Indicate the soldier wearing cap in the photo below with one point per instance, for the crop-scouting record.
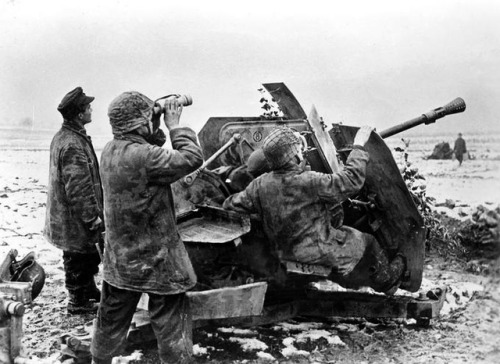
(74, 203)
(297, 207)
(143, 250)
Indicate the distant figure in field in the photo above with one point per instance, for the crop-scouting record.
(460, 149)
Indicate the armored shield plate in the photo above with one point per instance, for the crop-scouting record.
(322, 142)
(287, 102)
(218, 130)
(253, 131)
(398, 225)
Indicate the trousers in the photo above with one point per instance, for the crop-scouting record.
(170, 319)
(374, 270)
(80, 269)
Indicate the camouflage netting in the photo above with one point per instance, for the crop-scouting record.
(281, 146)
(129, 111)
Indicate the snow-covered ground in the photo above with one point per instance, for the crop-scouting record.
(23, 181)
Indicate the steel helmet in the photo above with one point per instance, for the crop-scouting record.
(281, 146)
(28, 270)
(129, 111)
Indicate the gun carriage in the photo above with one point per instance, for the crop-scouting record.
(241, 279)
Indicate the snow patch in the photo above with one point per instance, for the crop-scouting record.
(327, 285)
(136, 355)
(265, 356)
(199, 350)
(33, 359)
(314, 335)
(292, 326)
(459, 295)
(249, 344)
(292, 351)
(461, 214)
(236, 331)
(288, 341)
(302, 337)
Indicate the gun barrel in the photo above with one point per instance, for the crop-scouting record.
(453, 107)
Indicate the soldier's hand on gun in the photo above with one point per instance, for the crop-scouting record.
(363, 135)
(173, 111)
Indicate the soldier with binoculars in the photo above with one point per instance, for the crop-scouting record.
(143, 252)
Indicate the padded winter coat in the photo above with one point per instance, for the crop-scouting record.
(74, 197)
(143, 250)
(295, 208)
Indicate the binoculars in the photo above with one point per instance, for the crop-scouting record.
(159, 108)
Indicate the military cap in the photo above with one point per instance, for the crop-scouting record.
(74, 98)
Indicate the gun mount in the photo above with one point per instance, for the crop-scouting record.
(235, 264)
(20, 283)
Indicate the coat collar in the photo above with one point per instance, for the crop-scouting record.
(76, 127)
(132, 137)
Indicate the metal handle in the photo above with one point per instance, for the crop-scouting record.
(190, 178)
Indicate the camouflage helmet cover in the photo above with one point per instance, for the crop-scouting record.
(129, 111)
(281, 146)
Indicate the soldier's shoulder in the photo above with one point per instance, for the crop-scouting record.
(69, 142)
(64, 137)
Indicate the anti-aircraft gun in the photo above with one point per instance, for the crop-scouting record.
(241, 279)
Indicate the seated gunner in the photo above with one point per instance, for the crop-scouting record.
(295, 207)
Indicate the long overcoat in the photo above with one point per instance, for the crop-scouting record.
(143, 250)
(460, 147)
(74, 197)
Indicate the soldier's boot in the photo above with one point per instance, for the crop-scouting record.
(92, 292)
(78, 303)
(386, 277)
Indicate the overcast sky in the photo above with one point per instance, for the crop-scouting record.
(359, 62)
